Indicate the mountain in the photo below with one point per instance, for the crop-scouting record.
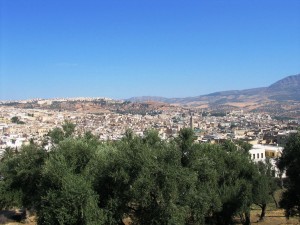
(286, 89)
(286, 83)
(278, 98)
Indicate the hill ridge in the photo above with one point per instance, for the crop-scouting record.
(287, 88)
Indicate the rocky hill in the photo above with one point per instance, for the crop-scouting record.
(285, 89)
(280, 98)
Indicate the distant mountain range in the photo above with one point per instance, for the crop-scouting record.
(285, 89)
(281, 100)
(284, 95)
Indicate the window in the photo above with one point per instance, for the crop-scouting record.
(262, 155)
(258, 155)
(253, 156)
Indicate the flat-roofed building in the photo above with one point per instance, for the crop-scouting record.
(264, 152)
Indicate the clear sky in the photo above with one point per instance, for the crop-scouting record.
(125, 48)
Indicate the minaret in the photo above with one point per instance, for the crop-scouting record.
(191, 122)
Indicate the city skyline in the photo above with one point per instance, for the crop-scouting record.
(116, 49)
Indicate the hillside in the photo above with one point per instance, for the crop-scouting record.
(281, 98)
(286, 89)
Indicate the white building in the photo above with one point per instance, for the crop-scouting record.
(263, 152)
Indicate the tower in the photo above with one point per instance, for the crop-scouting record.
(192, 122)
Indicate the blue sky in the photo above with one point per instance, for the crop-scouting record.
(120, 49)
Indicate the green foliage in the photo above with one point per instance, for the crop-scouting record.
(21, 174)
(237, 145)
(264, 186)
(57, 134)
(290, 162)
(229, 146)
(245, 146)
(152, 138)
(84, 181)
(185, 140)
(70, 198)
(205, 198)
(68, 128)
(9, 198)
(235, 184)
(16, 120)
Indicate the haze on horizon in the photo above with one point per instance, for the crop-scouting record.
(121, 49)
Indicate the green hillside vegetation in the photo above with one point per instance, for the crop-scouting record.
(83, 181)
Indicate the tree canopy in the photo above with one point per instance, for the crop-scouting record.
(149, 180)
(290, 162)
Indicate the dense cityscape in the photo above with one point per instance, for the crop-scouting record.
(255, 128)
(19, 126)
(27, 127)
(149, 112)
